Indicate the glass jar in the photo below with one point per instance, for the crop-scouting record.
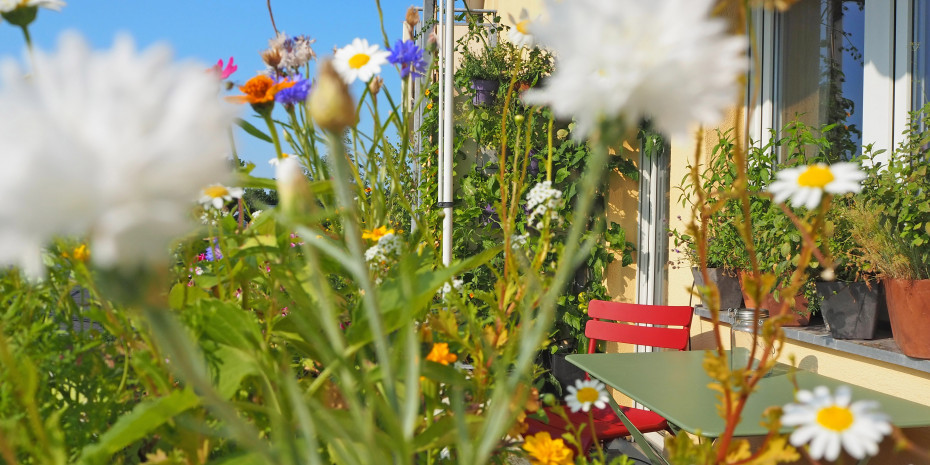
(744, 325)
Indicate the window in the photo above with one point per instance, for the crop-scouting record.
(820, 65)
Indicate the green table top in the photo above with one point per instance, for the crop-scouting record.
(674, 385)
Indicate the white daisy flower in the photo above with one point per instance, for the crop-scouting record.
(805, 185)
(586, 393)
(359, 60)
(218, 195)
(520, 34)
(275, 161)
(110, 144)
(828, 423)
(7, 6)
(623, 60)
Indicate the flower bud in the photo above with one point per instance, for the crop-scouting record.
(828, 274)
(272, 57)
(561, 134)
(330, 104)
(374, 86)
(518, 118)
(293, 188)
(412, 17)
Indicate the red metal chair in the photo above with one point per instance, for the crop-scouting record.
(620, 322)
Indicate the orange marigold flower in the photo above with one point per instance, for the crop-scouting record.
(260, 89)
(377, 233)
(543, 450)
(440, 354)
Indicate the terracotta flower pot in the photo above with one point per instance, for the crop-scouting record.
(797, 309)
(909, 311)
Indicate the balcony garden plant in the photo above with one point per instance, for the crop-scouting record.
(853, 303)
(892, 225)
(326, 329)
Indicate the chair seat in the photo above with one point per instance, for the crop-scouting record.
(606, 423)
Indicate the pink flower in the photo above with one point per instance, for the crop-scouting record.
(225, 72)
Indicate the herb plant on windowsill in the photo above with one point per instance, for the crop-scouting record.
(894, 232)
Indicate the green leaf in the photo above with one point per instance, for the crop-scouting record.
(252, 130)
(141, 422)
(182, 295)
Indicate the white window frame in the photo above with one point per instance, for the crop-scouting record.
(886, 74)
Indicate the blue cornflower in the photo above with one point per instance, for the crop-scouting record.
(294, 94)
(409, 56)
(213, 253)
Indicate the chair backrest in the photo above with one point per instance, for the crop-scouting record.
(622, 325)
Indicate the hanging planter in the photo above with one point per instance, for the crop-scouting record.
(485, 91)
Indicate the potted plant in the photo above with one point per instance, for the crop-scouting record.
(894, 233)
(723, 241)
(776, 239)
(852, 303)
(484, 64)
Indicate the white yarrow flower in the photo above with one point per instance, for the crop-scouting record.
(666, 60)
(111, 145)
(7, 6)
(448, 287)
(520, 34)
(359, 60)
(805, 185)
(218, 195)
(586, 393)
(543, 200)
(828, 423)
(388, 247)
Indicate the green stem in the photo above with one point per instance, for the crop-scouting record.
(274, 134)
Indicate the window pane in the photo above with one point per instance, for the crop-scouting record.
(920, 55)
(820, 70)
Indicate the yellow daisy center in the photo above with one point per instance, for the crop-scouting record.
(587, 394)
(816, 176)
(216, 191)
(358, 60)
(835, 418)
(523, 26)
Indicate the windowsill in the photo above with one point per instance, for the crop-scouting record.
(882, 348)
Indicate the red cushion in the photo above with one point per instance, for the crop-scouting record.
(606, 423)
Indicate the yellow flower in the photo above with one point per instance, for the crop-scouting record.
(377, 233)
(440, 354)
(80, 253)
(543, 450)
(429, 106)
(260, 89)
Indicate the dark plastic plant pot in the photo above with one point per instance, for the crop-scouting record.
(565, 372)
(485, 91)
(727, 284)
(850, 309)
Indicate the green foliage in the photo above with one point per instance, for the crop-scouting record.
(482, 133)
(895, 202)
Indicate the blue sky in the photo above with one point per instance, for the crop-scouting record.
(206, 31)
